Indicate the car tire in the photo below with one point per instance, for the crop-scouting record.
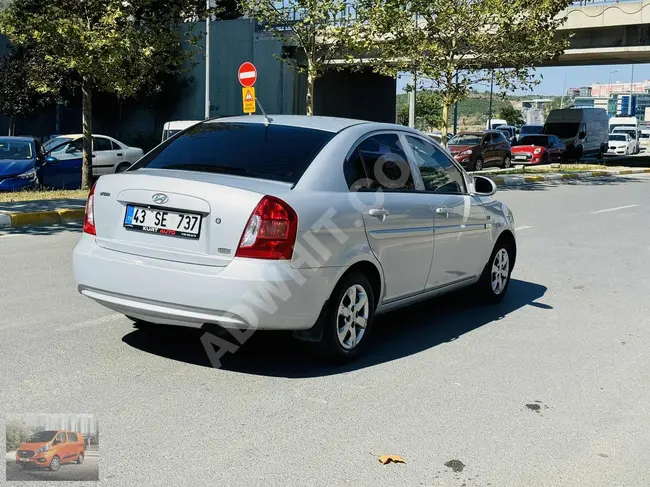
(493, 284)
(122, 167)
(545, 159)
(339, 343)
(507, 162)
(55, 463)
(478, 164)
(80, 458)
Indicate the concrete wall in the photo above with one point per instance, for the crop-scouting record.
(606, 15)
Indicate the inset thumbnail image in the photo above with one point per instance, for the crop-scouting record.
(52, 447)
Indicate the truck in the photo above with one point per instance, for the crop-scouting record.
(494, 123)
(584, 131)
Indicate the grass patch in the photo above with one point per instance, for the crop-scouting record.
(34, 195)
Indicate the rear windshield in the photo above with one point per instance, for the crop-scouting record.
(540, 140)
(275, 152)
(531, 129)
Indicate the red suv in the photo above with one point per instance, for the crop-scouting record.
(476, 150)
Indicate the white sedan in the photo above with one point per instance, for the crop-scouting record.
(620, 144)
(309, 224)
(109, 155)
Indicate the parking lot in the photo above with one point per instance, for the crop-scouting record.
(548, 388)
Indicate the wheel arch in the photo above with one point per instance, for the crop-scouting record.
(508, 238)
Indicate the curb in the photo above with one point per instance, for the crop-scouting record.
(53, 217)
(520, 180)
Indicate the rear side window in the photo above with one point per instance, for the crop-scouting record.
(382, 161)
(274, 152)
(73, 437)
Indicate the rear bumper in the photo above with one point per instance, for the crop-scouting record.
(247, 293)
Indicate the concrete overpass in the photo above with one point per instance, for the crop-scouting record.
(607, 32)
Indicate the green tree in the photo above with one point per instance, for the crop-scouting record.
(511, 115)
(427, 109)
(18, 98)
(115, 46)
(17, 433)
(319, 31)
(458, 44)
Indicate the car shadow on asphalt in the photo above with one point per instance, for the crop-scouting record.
(396, 335)
(546, 185)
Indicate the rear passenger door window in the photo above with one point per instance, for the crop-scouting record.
(73, 437)
(439, 174)
(379, 163)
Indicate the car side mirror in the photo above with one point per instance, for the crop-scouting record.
(50, 160)
(484, 186)
(55, 442)
(582, 135)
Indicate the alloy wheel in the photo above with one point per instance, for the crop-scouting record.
(55, 464)
(500, 271)
(478, 166)
(507, 162)
(352, 317)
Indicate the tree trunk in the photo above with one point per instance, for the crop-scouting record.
(311, 78)
(87, 109)
(445, 120)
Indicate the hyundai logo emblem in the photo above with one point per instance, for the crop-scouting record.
(160, 198)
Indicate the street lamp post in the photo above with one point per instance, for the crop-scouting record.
(609, 88)
(490, 109)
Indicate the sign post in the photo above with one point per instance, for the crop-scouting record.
(247, 75)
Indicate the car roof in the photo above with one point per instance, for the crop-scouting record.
(329, 124)
(476, 133)
(19, 139)
(72, 136)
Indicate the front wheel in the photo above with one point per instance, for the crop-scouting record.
(478, 165)
(347, 319)
(495, 279)
(55, 464)
(507, 162)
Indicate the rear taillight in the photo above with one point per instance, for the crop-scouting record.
(270, 232)
(89, 217)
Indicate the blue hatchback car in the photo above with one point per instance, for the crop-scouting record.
(24, 164)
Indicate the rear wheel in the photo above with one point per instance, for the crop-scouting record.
(507, 162)
(478, 164)
(122, 167)
(80, 458)
(495, 279)
(347, 319)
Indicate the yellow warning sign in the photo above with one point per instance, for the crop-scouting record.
(248, 99)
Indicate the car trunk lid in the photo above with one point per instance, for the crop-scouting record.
(221, 203)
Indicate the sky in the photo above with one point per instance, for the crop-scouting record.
(552, 82)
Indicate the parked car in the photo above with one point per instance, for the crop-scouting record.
(109, 155)
(529, 130)
(340, 217)
(477, 150)
(51, 449)
(172, 128)
(510, 132)
(620, 144)
(538, 149)
(21, 159)
(584, 131)
(634, 134)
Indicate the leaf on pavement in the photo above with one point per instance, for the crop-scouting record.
(384, 459)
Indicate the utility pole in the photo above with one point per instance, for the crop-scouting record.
(412, 101)
(455, 112)
(207, 61)
(563, 88)
(490, 110)
(631, 91)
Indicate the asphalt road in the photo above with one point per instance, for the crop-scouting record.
(89, 470)
(548, 389)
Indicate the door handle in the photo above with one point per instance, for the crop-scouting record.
(380, 213)
(443, 211)
(119, 154)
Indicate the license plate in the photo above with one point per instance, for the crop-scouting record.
(23, 459)
(163, 222)
(520, 157)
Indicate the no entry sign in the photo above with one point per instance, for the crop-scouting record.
(247, 74)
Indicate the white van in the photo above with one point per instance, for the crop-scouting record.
(584, 131)
(172, 128)
(644, 140)
(493, 123)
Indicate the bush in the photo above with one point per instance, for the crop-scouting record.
(17, 433)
